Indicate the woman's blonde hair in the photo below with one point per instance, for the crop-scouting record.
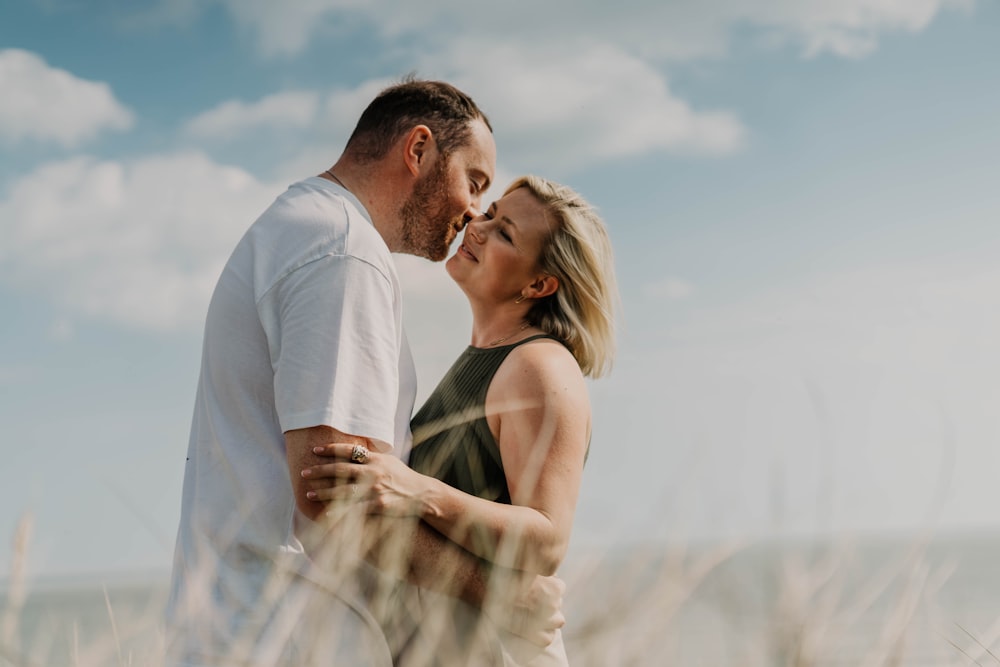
(581, 312)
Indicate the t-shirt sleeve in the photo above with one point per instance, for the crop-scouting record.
(334, 345)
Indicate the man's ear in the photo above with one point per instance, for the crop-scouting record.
(417, 148)
(543, 286)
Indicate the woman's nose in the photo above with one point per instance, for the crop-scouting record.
(474, 229)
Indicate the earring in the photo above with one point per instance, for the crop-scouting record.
(519, 299)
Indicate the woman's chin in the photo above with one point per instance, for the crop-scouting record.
(451, 266)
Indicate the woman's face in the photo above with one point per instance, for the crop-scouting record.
(499, 254)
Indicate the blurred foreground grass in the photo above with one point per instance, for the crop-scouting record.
(905, 602)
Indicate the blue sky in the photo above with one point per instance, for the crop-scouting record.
(801, 195)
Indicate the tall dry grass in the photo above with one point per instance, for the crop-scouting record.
(754, 605)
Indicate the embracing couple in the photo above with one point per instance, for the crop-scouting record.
(322, 524)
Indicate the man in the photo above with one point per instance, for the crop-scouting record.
(303, 347)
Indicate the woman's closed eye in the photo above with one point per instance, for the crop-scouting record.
(501, 224)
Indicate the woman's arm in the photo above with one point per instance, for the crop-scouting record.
(538, 408)
(523, 603)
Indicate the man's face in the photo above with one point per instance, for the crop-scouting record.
(448, 195)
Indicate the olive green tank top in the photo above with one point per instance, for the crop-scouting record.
(451, 437)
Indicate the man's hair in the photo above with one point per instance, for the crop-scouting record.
(442, 107)
(581, 312)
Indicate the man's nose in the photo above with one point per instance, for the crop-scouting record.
(471, 213)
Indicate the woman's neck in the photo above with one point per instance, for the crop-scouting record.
(499, 328)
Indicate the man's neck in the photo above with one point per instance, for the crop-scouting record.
(377, 190)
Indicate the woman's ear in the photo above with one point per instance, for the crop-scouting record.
(543, 286)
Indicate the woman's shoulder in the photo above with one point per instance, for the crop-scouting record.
(542, 346)
(538, 364)
(541, 374)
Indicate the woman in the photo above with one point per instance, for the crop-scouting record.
(499, 446)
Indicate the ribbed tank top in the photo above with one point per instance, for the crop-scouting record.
(451, 437)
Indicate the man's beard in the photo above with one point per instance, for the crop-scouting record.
(428, 228)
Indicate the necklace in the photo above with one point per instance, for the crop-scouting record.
(335, 179)
(508, 336)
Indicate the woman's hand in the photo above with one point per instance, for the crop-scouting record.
(384, 483)
(526, 605)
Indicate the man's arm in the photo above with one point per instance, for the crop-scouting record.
(299, 446)
(410, 550)
(406, 548)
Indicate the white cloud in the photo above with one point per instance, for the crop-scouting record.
(44, 103)
(16, 375)
(342, 107)
(338, 112)
(292, 109)
(426, 281)
(593, 72)
(669, 289)
(906, 318)
(811, 396)
(562, 108)
(286, 30)
(300, 132)
(61, 331)
(140, 243)
(652, 28)
(437, 318)
(849, 28)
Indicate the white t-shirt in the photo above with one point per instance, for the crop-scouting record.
(304, 329)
